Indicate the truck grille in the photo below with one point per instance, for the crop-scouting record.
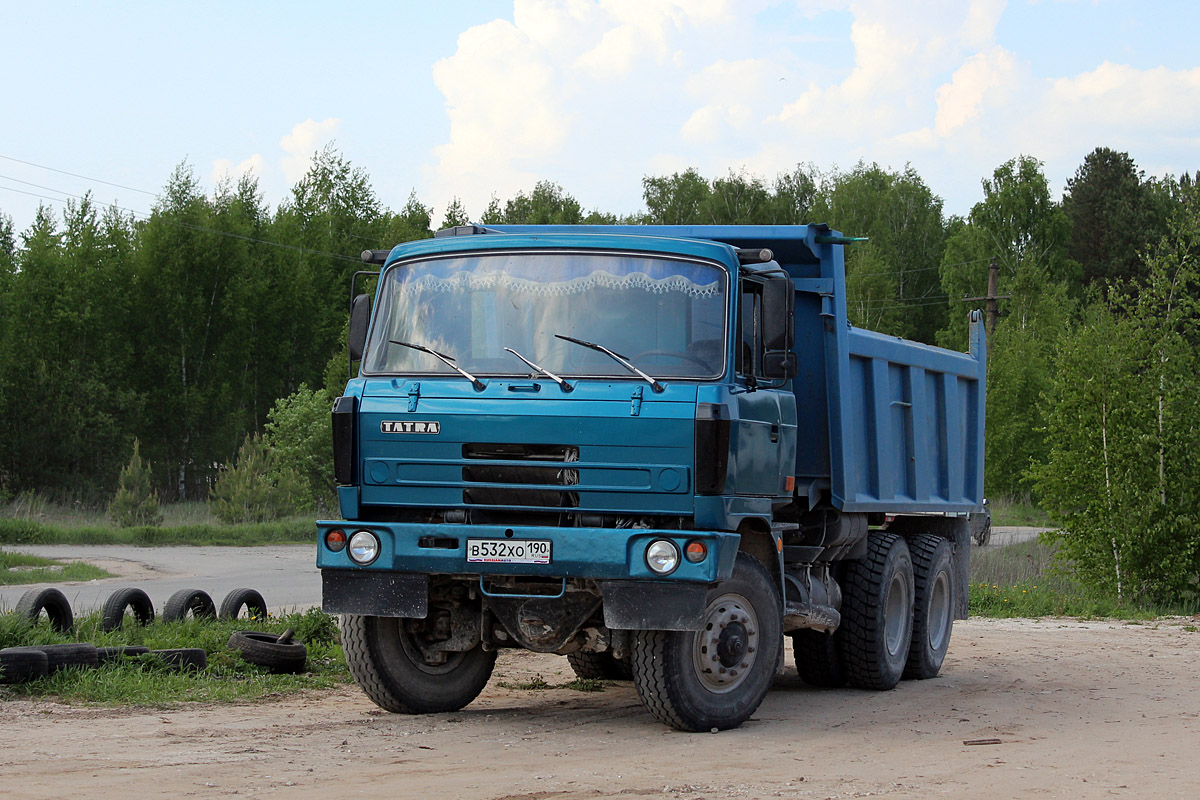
(526, 470)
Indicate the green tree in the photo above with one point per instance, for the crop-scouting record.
(903, 220)
(1123, 476)
(297, 433)
(677, 199)
(1115, 214)
(253, 489)
(456, 214)
(136, 502)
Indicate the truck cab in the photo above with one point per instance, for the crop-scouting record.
(638, 447)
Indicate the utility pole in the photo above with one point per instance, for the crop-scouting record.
(992, 308)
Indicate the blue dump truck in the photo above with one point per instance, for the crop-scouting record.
(656, 450)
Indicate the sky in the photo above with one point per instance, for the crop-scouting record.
(481, 98)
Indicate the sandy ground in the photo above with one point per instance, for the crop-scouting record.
(1080, 710)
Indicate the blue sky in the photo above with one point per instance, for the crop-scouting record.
(484, 97)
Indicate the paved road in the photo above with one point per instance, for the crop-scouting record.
(286, 575)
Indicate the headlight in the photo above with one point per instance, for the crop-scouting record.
(662, 556)
(364, 547)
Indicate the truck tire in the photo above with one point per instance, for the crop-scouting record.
(112, 615)
(75, 654)
(600, 666)
(114, 655)
(877, 613)
(386, 659)
(251, 600)
(53, 602)
(819, 659)
(715, 677)
(265, 650)
(21, 664)
(195, 601)
(933, 605)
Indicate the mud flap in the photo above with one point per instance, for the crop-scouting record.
(654, 605)
(374, 594)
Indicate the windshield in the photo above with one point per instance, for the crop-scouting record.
(666, 316)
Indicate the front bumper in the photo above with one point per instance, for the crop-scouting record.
(587, 553)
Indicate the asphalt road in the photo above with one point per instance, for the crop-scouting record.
(286, 575)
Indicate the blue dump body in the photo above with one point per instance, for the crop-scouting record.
(548, 419)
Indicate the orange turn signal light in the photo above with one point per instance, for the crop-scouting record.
(335, 540)
(696, 551)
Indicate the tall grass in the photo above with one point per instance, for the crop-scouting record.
(1027, 580)
(19, 568)
(1017, 512)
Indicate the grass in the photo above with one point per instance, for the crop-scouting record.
(1017, 512)
(145, 681)
(18, 568)
(537, 684)
(1024, 580)
(30, 519)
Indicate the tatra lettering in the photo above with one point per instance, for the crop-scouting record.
(392, 426)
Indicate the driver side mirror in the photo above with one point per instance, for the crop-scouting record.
(360, 319)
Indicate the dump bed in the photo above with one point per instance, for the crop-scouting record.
(884, 424)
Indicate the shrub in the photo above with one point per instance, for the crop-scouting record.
(135, 503)
(254, 489)
(297, 433)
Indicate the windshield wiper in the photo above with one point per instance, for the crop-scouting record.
(617, 357)
(445, 359)
(566, 387)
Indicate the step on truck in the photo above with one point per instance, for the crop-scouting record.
(660, 451)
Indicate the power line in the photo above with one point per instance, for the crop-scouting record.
(199, 228)
(74, 175)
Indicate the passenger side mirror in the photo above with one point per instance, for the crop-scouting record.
(360, 318)
(779, 328)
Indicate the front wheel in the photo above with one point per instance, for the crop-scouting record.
(397, 670)
(715, 677)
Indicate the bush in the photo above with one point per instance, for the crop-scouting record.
(254, 489)
(135, 502)
(298, 435)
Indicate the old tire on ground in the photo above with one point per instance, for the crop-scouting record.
(819, 659)
(386, 658)
(62, 656)
(112, 615)
(111, 655)
(600, 666)
(183, 658)
(21, 664)
(194, 601)
(53, 602)
(235, 601)
(715, 677)
(264, 650)
(877, 614)
(933, 606)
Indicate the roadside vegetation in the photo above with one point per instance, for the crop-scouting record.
(144, 680)
(18, 568)
(1029, 579)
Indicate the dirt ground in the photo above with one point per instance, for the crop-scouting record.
(1080, 710)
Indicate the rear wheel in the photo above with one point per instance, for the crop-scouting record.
(600, 666)
(715, 677)
(397, 669)
(877, 613)
(933, 609)
(819, 659)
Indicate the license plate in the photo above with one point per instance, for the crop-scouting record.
(508, 551)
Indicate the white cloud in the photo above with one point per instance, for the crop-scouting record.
(300, 145)
(596, 94)
(223, 168)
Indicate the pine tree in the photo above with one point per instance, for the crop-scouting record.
(135, 502)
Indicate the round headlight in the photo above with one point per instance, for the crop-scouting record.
(364, 547)
(662, 556)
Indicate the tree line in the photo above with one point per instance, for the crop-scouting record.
(216, 318)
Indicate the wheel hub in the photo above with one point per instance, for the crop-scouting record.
(725, 650)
